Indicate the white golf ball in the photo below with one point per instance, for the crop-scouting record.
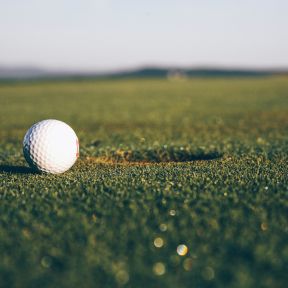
(51, 146)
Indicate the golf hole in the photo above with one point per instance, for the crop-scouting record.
(161, 155)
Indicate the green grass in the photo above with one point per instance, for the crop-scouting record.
(200, 162)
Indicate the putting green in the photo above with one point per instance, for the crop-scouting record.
(179, 184)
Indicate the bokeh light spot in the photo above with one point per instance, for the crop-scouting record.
(182, 250)
(159, 269)
(208, 273)
(158, 242)
(172, 212)
(187, 264)
(163, 227)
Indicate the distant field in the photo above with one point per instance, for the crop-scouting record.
(199, 162)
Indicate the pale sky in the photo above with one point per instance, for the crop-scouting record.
(115, 34)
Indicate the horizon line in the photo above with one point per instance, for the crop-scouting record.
(222, 67)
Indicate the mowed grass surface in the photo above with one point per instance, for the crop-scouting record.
(200, 163)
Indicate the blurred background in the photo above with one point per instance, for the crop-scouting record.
(40, 38)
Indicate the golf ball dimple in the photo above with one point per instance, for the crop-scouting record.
(51, 146)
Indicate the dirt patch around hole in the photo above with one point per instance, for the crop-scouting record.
(153, 157)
